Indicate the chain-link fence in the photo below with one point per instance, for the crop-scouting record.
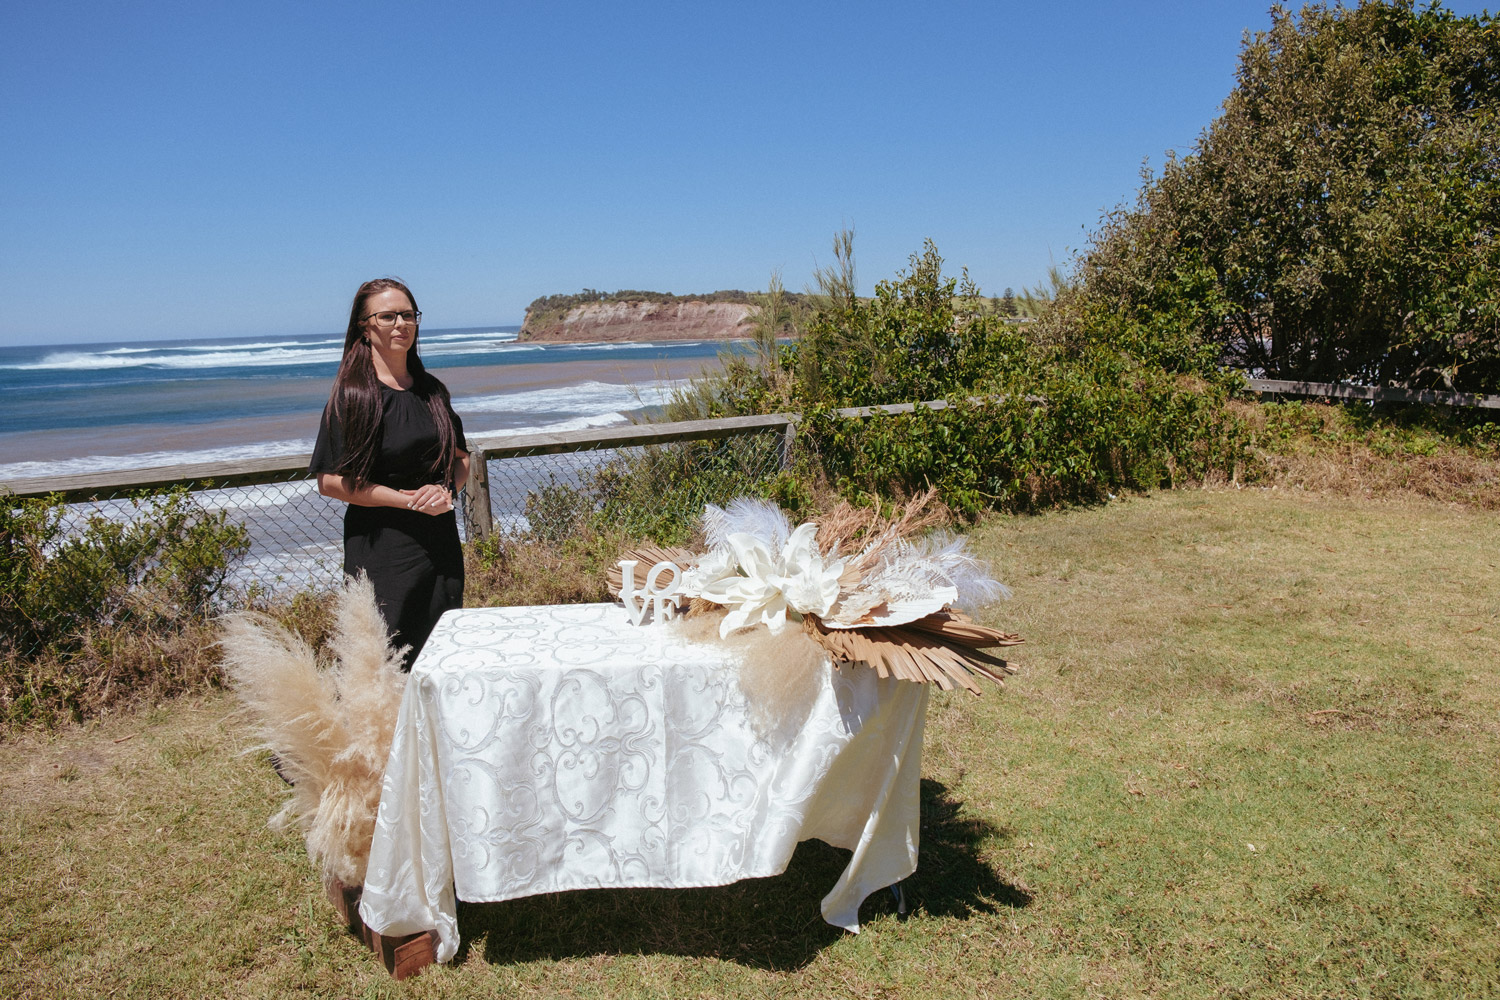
(646, 490)
(74, 555)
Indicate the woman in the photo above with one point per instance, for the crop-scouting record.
(391, 447)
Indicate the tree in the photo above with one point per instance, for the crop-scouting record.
(1341, 218)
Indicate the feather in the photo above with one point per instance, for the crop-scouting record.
(760, 518)
(715, 534)
(969, 575)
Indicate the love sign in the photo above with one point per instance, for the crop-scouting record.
(659, 597)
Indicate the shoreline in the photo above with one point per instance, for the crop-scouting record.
(125, 446)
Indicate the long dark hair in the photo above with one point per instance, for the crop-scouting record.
(355, 399)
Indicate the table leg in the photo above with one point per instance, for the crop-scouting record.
(402, 956)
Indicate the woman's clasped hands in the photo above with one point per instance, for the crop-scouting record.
(429, 499)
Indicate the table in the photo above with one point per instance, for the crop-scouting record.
(541, 749)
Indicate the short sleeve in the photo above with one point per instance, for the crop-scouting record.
(328, 453)
(459, 441)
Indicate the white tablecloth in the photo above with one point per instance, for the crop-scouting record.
(560, 747)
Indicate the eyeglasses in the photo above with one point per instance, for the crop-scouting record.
(387, 320)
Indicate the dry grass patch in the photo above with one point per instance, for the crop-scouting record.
(121, 669)
(1251, 751)
(1359, 450)
(517, 571)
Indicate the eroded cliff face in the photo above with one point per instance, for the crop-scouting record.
(636, 320)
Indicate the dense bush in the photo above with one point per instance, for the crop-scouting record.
(1127, 402)
(1101, 428)
(1341, 218)
(76, 605)
(168, 560)
(923, 336)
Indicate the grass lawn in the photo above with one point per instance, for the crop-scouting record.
(1252, 751)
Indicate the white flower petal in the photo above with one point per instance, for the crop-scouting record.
(754, 557)
(716, 565)
(773, 613)
(738, 618)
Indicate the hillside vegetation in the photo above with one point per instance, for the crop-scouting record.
(549, 310)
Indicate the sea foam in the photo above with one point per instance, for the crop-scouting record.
(270, 353)
(595, 404)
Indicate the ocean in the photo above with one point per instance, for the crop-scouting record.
(82, 408)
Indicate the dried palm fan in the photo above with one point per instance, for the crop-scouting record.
(942, 649)
(330, 729)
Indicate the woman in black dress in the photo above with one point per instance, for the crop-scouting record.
(392, 448)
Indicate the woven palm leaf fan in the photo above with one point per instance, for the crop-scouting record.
(942, 649)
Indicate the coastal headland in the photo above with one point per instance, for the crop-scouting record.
(636, 316)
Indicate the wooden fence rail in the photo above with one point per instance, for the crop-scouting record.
(287, 468)
(1377, 394)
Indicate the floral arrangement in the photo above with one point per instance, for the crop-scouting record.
(868, 589)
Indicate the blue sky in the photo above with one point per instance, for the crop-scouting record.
(211, 169)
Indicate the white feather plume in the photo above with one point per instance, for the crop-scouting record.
(760, 518)
(971, 576)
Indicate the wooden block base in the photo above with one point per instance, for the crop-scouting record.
(402, 956)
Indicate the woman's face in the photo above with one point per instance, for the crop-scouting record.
(399, 338)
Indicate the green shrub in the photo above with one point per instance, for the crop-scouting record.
(115, 611)
(556, 510)
(1127, 400)
(165, 563)
(1092, 431)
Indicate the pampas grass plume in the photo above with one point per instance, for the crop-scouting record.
(330, 729)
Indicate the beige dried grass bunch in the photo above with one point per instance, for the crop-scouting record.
(330, 728)
(779, 673)
(846, 527)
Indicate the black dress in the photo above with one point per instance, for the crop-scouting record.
(413, 559)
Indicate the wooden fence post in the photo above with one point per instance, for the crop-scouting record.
(477, 516)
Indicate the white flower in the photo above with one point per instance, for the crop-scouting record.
(709, 569)
(750, 597)
(798, 579)
(810, 584)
